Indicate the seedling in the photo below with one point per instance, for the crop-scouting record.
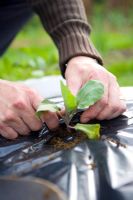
(88, 95)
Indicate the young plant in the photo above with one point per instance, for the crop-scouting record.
(88, 95)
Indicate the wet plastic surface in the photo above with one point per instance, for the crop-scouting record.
(92, 170)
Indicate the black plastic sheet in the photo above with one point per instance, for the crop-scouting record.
(91, 170)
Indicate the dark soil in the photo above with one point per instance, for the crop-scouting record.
(64, 139)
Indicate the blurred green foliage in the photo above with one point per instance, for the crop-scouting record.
(33, 53)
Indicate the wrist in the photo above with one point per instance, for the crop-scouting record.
(79, 65)
(79, 59)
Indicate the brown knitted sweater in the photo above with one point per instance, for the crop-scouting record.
(66, 23)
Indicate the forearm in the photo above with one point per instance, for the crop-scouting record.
(66, 22)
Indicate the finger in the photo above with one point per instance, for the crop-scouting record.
(10, 118)
(35, 98)
(19, 126)
(114, 105)
(50, 119)
(25, 112)
(93, 111)
(62, 112)
(31, 120)
(8, 132)
(120, 111)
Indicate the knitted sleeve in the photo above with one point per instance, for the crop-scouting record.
(66, 23)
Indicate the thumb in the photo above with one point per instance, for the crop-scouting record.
(35, 99)
(74, 84)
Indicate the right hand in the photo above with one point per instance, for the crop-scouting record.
(18, 105)
(79, 71)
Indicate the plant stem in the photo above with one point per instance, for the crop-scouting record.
(70, 128)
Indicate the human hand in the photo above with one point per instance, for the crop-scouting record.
(82, 69)
(18, 105)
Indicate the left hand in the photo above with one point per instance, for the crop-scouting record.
(82, 69)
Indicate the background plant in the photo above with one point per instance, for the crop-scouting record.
(112, 32)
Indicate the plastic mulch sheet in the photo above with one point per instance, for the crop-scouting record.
(92, 170)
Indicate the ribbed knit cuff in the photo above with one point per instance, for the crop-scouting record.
(72, 39)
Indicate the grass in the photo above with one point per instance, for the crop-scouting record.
(33, 54)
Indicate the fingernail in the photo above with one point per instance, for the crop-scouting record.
(85, 120)
(53, 124)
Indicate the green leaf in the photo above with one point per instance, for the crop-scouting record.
(89, 94)
(91, 130)
(46, 105)
(69, 99)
